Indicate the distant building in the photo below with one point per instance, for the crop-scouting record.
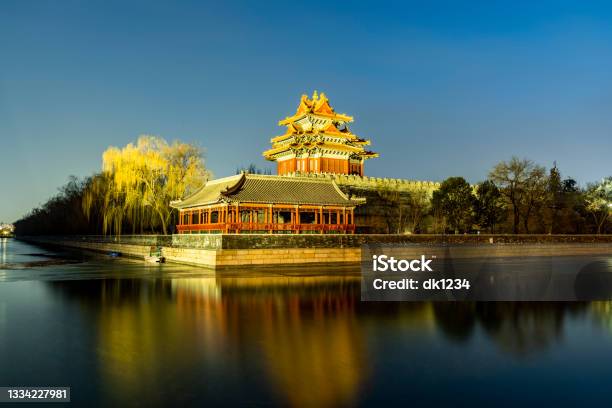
(6, 229)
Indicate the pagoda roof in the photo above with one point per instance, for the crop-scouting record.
(330, 130)
(318, 105)
(340, 147)
(264, 189)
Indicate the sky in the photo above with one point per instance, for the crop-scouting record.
(440, 88)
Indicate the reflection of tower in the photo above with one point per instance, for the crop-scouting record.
(315, 348)
(318, 140)
(306, 327)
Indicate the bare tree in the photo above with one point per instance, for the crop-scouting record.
(522, 183)
(418, 205)
(534, 194)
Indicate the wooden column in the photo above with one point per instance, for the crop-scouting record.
(224, 218)
(321, 219)
(238, 219)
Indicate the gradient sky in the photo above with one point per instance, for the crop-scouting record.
(441, 88)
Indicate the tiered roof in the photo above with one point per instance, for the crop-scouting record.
(316, 126)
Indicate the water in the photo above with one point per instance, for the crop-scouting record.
(122, 333)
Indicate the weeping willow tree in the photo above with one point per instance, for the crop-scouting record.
(138, 182)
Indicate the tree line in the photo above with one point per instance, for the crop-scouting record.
(518, 196)
(131, 194)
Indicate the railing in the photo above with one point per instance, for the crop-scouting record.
(201, 227)
(296, 228)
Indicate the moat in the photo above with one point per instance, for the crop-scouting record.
(123, 333)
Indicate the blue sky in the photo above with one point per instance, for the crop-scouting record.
(441, 88)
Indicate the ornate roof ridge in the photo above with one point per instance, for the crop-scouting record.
(318, 105)
(224, 179)
(207, 183)
(324, 132)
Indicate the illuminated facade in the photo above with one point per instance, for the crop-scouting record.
(303, 197)
(318, 140)
(267, 204)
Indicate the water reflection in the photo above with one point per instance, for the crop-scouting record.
(3, 256)
(602, 312)
(305, 327)
(3, 250)
(285, 335)
(301, 331)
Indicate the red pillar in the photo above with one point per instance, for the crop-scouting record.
(321, 219)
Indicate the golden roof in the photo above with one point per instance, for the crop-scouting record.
(316, 124)
(325, 146)
(318, 105)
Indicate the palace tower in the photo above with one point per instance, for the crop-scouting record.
(318, 140)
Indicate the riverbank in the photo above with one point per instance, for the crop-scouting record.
(223, 250)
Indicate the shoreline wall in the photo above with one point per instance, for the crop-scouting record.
(222, 250)
(267, 241)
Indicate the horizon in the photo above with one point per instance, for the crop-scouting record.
(463, 88)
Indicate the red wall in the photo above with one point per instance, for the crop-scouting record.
(318, 165)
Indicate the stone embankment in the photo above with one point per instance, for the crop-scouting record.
(221, 250)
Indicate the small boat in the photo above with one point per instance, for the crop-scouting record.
(114, 254)
(155, 255)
